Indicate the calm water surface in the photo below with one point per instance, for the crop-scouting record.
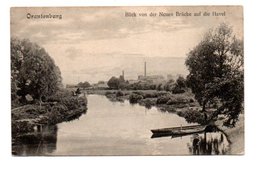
(119, 128)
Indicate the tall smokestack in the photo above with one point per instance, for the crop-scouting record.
(144, 69)
(123, 73)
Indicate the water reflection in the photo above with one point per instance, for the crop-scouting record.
(210, 143)
(37, 143)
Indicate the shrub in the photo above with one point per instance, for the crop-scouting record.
(163, 99)
(148, 102)
(192, 116)
(57, 113)
(119, 94)
(150, 95)
(177, 90)
(171, 108)
(59, 95)
(108, 93)
(162, 93)
(134, 98)
(177, 100)
(138, 93)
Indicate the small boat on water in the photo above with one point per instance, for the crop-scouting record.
(178, 131)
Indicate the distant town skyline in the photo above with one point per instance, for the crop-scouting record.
(95, 43)
(132, 69)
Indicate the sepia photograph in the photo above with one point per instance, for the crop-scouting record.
(127, 81)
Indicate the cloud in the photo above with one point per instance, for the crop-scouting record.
(98, 41)
(82, 24)
(73, 53)
(87, 24)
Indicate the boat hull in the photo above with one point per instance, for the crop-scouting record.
(178, 131)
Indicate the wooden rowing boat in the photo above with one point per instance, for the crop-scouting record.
(178, 131)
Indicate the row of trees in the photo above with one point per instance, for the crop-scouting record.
(33, 72)
(84, 84)
(177, 86)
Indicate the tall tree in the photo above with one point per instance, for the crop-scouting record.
(113, 82)
(216, 74)
(33, 71)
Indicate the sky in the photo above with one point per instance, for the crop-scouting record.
(95, 43)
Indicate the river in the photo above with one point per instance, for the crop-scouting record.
(118, 128)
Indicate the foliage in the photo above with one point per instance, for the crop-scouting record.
(176, 99)
(216, 73)
(113, 83)
(177, 90)
(160, 87)
(108, 93)
(58, 107)
(84, 84)
(134, 98)
(148, 102)
(141, 86)
(119, 94)
(163, 99)
(33, 71)
(175, 87)
(181, 82)
(179, 86)
(192, 116)
(169, 85)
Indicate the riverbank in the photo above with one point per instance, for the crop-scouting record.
(60, 107)
(236, 135)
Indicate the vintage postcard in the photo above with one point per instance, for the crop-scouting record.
(155, 80)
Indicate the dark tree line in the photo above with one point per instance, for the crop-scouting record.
(84, 84)
(177, 86)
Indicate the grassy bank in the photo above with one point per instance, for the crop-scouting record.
(235, 135)
(60, 107)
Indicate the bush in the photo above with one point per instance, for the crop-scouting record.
(162, 93)
(192, 116)
(21, 127)
(151, 95)
(148, 102)
(163, 99)
(134, 98)
(119, 94)
(177, 90)
(138, 93)
(171, 108)
(57, 113)
(59, 95)
(177, 100)
(108, 93)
